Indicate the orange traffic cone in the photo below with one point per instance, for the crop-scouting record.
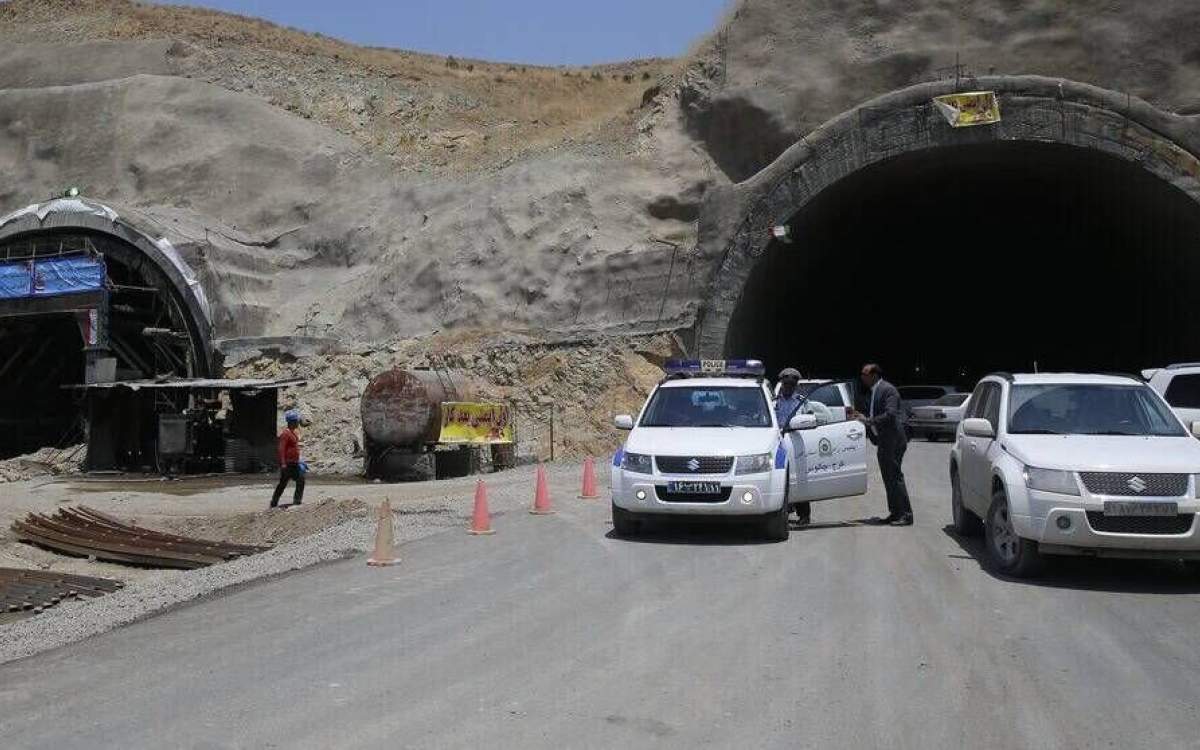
(541, 500)
(481, 522)
(589, 480)
(384, 554)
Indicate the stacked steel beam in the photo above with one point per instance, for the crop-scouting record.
(26, 592)
(86, 532)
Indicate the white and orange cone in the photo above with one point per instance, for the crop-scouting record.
(481, 521)
(385, 535)
(541, 497)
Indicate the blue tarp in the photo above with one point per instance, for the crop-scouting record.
(48, 277)
(16, 280)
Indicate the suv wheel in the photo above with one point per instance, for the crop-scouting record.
(775, 525)
(966, 523)
(1006, 552)
(624, 524)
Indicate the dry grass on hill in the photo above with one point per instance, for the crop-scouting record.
(428, 113)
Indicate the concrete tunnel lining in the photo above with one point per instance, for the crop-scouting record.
(1035, 111)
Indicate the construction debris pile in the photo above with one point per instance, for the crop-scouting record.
(87, 532)
(584, 383)
(45, 462)
(27, 592)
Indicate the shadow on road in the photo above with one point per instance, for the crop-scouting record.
(697, 533)
(723, 531)
(1093, 573)
(851, 524)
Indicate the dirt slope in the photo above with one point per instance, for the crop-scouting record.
(427, 113)
(364, 194)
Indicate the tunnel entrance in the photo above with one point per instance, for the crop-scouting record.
(39, 355)
(947, 263)
(80, 305)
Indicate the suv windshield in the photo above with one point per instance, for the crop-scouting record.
(707, 406)
(1079, 409)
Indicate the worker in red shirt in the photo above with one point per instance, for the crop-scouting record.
(290, 466)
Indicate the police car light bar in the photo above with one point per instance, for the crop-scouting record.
(726, 367)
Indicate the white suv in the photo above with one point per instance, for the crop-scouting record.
(707, 442)
(1179, 385)
(1074, 464)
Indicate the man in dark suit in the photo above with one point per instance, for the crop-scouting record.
(885, 427)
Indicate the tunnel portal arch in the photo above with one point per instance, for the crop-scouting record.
(1034, 110)
(150, 318)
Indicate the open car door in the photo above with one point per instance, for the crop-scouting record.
(832, 459)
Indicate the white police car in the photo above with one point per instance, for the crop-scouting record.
(707, 443)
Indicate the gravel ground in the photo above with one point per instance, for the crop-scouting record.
(420, 509)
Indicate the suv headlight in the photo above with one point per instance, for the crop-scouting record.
(639, 463)
(755, 464)
(1051, 480)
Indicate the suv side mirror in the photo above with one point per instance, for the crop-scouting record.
(1196, 429)
(979, 427)
(801, 422)
(623, 422)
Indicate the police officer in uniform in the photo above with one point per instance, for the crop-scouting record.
(787, 403)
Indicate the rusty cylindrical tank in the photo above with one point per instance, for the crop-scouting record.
(402, 407)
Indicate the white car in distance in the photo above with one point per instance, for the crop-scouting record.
(707, 443)
(1179, 385)
(1069, 464)
(939, 419)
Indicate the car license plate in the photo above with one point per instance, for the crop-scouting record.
(694, 488)
(1114, 508)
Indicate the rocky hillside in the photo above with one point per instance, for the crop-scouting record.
(578, 384)
(366, 194)
(372, 195)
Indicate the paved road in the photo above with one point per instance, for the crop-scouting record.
(554, 634)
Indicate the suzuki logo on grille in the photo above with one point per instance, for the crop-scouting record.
(1137, 484)
(693, 464)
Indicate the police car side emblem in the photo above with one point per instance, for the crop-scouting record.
(825, 447)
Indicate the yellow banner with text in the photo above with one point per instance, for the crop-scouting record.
(465, 422)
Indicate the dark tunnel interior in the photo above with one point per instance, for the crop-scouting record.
(947, 264)
(42, 354)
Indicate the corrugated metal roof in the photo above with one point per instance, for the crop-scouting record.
(240, 384)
